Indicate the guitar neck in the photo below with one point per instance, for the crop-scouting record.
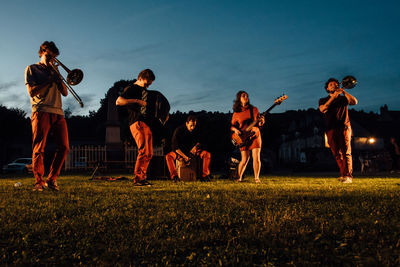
(251, 125)
(269, 109)
(276, 102)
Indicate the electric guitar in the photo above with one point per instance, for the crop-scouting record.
(247, 136)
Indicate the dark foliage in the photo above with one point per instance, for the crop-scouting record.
(15, 134)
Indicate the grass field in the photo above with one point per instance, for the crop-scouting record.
(284, 221)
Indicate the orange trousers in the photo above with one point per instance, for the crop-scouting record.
(144, 141)
(339, 141)
(42, 123)
(204, 155)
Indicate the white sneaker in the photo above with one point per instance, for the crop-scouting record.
(347, 180)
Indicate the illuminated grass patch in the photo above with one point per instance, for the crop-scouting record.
(298, 220)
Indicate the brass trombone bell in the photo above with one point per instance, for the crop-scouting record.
(349, 82)
(74, 76)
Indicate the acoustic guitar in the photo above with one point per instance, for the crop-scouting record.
(247, 135)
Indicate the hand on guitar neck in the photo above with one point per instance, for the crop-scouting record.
(245, 136)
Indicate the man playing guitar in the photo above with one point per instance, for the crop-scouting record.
(243, 115)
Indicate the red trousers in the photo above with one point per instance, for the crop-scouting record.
(204, 155)
(144, 141)
(42, 123)
(339, 141)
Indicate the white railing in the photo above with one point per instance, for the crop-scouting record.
(83, 157)
(86, 157)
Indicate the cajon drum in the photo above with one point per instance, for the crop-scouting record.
(189, 172)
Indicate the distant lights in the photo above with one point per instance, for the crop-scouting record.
(371, 140)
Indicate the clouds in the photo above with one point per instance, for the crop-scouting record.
(191, 101)
(204, 52)
(7, 85)
(14, 94)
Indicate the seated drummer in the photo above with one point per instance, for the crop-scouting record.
(185, 146)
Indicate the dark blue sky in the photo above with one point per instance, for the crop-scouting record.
(203, 52)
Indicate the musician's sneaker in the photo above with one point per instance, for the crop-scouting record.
(347, 180)
(205, 178)
(51, 184)
(176, 179)
(38, 188)
(142, 183)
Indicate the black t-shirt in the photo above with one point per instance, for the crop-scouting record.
(337, 115)
(184, 140)
(135, 91)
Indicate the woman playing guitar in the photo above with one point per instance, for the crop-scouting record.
(243, 115)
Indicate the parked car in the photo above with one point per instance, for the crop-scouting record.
(80, 163)
(20, 165)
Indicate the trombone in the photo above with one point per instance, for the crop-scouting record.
(74, 77)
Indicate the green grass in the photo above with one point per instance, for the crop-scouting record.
(284, 221)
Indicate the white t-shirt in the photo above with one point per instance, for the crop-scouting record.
(49, 101)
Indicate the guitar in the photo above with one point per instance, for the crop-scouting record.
(247, 136)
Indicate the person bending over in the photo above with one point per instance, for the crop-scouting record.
(134, 97)
(185, 146)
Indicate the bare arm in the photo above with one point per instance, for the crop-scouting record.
(324, 107)
(235, 130)
(62, 88)
(35, 90)
(261, 121)
(180, 153)
(235, 125)
(352, 100)
(124, 101)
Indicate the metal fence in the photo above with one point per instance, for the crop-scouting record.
(83, 157)
(86, 157)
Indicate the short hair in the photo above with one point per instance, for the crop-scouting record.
(329, 81)
(147, 74)
(48, 46)
(191, 118)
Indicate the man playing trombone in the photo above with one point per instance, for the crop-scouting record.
(338, 129)
(45, 88)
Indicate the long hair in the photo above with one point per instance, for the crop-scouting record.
(48, 46)
(237, 104)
